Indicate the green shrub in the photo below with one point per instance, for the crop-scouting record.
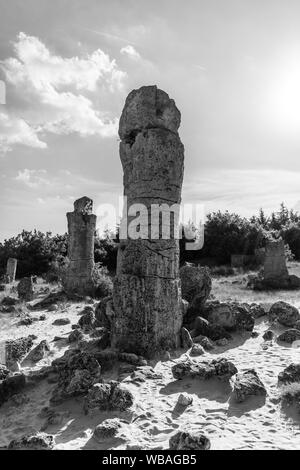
(102, 281)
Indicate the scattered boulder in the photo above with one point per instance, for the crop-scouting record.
(39, 352)
(205, 342)
(247, 384)
(197, 350)
(290, 374)
(141, 374)
(38, 441)
(108, 396)
(231, 316)
(87, 321)
(108, 429)
(254, 334)
(257, 311)
(289, 336)
(77, 372)
(61, 321)
(9, 301)
(17, 349)
(268, 335)
(220, 368)
(12, 384)
(211, 330)
(284, 313)
(189, 441)
(75, 335)
(184, 399)
(25, 289)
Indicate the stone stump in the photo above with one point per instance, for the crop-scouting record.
(11, 269)
(81, 229)
(147, 295)
(25, 289)
(275, 274)
(274, 263)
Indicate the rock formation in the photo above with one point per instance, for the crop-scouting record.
(275, 273)
(274, 264)
(81, 229)
(147, 296)
(25, 289)
(11, 269)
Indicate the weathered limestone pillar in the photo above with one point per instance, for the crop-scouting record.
(275, 264)
(81, 228)
(147, 295)
(11, 269)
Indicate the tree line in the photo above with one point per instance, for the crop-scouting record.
(225, 234)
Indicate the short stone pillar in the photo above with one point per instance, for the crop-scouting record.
(25, 289)
(11, 269)
(275, 263)
(147, 295)
(81, 229)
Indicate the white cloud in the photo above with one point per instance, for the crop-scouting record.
(32, 178)
(58, 93)
(131, 52)
(14, 130)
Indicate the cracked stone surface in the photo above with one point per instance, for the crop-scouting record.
(147, 295)
(81, 229)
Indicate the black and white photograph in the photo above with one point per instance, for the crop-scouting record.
(149, 228)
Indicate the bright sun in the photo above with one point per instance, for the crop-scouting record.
(283, 97)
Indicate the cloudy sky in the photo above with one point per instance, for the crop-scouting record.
(233, 68)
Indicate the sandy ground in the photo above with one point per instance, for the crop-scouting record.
(258, 423)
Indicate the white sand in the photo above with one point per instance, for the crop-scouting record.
(255, 424)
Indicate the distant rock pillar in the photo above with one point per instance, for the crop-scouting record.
(147, 294)
(275, 264)
(11, 269)
(81, 229)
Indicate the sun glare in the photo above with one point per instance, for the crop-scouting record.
(283, 97)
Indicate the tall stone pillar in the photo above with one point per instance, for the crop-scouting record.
(81, 229)
(147, 295)
(11, 269)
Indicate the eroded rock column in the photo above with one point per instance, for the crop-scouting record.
(11, 269)
(275, 263)
(81, 229)
(147, 295)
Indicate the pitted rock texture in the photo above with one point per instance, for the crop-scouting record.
(11, 269)
(290, 374)
(189, 441)
(195, 285)
(219, 368)
(77, 372)
(108, 396)
(275, 264)
(284, 313)
(81, 229)
(275, 273)
(25, 289)
(38, 441)
(147, 296)
(247, 384)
